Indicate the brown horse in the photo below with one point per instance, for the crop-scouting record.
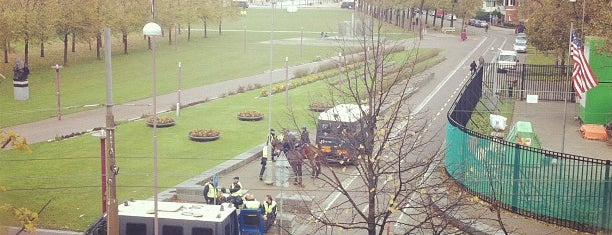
(276, 147)
(295, 160)
(314, 155)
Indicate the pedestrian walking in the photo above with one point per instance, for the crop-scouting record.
(473, 67)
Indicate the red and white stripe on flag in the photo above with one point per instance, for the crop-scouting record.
(583, 78)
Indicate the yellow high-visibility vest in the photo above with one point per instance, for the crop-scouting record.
(252, 204)
(212, 192)
(268, 208)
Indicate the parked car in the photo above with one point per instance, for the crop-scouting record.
(242, 4)
(521, 37)
(472, 22)
(520, 46)
(451, 16)
(506, 60)
(347, 4)
(483, 24)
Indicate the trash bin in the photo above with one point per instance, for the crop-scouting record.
(21, 90)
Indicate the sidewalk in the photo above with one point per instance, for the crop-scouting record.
(79, 122)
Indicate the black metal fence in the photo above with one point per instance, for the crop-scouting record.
(560, 188)
(552, 83)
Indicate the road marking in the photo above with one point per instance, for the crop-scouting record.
(334, 196)
(448, 77)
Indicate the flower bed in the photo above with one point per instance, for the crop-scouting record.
(202, 135)
(250, 116)
(319, 106)
(161, 122)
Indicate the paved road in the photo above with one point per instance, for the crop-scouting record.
(430, 101)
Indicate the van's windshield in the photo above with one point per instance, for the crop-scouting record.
(507, 58)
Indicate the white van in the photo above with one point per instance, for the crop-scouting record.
(506, 60)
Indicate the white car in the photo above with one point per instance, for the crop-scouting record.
(506, 60)
(521, 37)
(448, 17)
(520, 46)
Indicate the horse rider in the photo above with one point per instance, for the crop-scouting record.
(270, 142)
(304, 137)
(289, 140)
(210, 192)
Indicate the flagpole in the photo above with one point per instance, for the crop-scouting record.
(565, 96)
(582, 27)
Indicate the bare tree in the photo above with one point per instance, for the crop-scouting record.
(385, 179)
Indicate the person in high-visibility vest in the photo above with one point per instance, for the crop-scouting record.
(210, 192)
(251, 203)
(236, 192)
(269, 212)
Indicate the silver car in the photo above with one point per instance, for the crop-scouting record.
(520, 46)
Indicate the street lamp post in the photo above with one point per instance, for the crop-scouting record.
(102, 135)
(287, 81)
(268, 177)
(178, 101)
(153, 30)
(57, 82)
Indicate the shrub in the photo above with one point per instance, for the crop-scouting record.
(204, 133)
(250, 113)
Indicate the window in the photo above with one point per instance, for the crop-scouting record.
(201, 231)
(136, 229)
(251, 220)
(172, 230)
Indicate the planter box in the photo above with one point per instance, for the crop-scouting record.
(204, 138)
(258, 118)
(162, 125)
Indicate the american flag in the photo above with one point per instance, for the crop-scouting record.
(583, 78)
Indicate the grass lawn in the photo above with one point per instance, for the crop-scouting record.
(67, 172)
(204, 61)
(537, 57)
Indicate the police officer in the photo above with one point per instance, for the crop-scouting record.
(235, 192)
(269, 207)
(304, 137)
(210, 192)
(251, 203)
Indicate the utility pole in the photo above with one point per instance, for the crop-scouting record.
(421, 20)
(111, 168)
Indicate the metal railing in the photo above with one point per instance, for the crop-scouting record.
(565, 189)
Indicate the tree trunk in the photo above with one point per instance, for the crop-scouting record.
(205, 29)
(42, 49)
(98, 45)
(189, 32)
(124, 39)
(220, 26)
(6, 49)
(65, 48)
(26, 51)
(169, 35)
(73, 49)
